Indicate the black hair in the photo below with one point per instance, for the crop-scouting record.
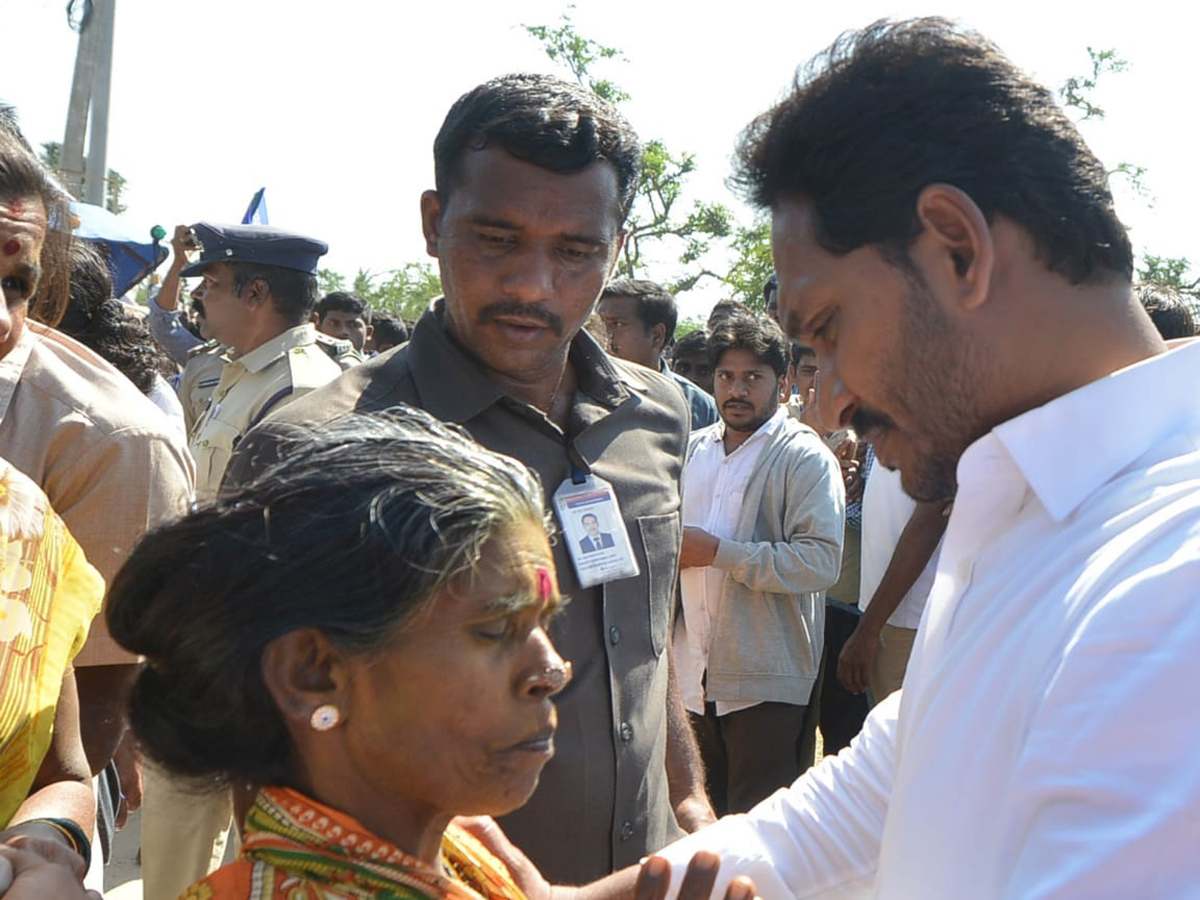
(294, 292)
(692, 342)
(388, 330)
(799, 351)
(542, 120)
(355, 532)
(23, 176)
(1168, 310)
(886, 111)
(758, 334)
(655, 304)
(723, 310)
(343, 301)
(97, 320)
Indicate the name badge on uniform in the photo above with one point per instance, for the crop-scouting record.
(594, 531)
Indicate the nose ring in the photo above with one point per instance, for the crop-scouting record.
(557, 676)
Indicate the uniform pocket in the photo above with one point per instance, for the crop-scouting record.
(660, 544)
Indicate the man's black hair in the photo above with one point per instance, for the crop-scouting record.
(655, 304)
(758, 334)
(541, 120)
(1168, 310)
(343, 301)
(294, 292)
(886, 111)
(388, 330)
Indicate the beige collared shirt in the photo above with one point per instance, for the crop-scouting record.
(269, 376)
(111, 462)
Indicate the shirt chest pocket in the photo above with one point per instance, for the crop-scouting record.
(213, 447)
(660, 544)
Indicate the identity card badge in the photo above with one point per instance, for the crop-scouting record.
(594, 531)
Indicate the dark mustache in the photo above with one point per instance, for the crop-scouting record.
(493, 311)
(867, 420)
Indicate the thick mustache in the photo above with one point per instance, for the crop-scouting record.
(866, 421)
(493, 311)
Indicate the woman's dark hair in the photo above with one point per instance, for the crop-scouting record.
(97, 320)
(758, 334)
(354, 532)
(886, 111)
(541, 120)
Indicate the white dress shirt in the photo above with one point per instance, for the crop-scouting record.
(1045, 744)
(886, 510)
(713, 485)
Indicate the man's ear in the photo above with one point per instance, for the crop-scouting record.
(785, 387)
(315, 318)
(955, 252)
(431, 216)
(658, 337)
(616, 257)
(303, 670)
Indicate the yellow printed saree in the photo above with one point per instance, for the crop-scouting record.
(48, 597)
(297, 849)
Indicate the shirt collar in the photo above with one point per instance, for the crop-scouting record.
(13, 365)
(264, 354)
(1135, 409)
(455, 387)
(766, 431)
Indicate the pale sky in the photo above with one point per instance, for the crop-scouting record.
(333, 107)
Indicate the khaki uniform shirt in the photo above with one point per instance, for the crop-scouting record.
(112, 464)
(603, 801)
(199, 379)
(272, 374)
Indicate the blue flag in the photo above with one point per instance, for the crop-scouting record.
(256, 212)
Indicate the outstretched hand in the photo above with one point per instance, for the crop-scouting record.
(654, 878)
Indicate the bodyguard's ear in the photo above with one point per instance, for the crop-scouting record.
(955, 250)
(431, 214)
(658, 339)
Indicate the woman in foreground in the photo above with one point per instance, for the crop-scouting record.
(361, 632)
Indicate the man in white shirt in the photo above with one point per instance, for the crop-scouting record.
(948, 245)
(763, 513)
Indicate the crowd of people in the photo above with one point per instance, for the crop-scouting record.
(881, 585)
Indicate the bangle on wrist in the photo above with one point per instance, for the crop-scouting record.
(70, 830)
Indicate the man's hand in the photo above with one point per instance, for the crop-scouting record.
(694, 813)
(655, 877)
(524, 872)
(699, 548)
(856, 659)
(182, 241)
(128, 759)
(847, 456)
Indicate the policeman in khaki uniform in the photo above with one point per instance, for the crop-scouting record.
(258, 290)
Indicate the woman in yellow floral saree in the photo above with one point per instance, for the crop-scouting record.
(360, 632)
(48, 597)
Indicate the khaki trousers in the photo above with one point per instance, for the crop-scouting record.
(895, 647)
(184, 834)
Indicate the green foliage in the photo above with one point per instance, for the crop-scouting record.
(656, 219)
(1076, 92)
(1169, 270)
(754, 264)
(690, 324)
(405, 291)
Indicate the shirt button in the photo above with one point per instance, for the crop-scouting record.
(614, 635)
(626, 731)
(626, 830)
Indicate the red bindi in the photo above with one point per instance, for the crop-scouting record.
(12, 247)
